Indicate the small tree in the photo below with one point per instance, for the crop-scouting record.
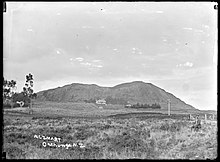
(28, 89)
(9, 88)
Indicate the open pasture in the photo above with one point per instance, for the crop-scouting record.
(107, 133)
(69, 109)
(108, 138)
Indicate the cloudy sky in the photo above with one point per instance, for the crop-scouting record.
(171, 45)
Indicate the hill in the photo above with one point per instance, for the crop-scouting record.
(133, 92)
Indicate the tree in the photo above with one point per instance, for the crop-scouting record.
(9, 88)
(28, 89)
(155, 106)
(146, 106)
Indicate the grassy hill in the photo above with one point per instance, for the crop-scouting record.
(133, 92)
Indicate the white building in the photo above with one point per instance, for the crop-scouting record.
(101, 102)
(128, 105)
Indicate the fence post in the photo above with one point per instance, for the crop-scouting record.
(169, 107)
(205, 118)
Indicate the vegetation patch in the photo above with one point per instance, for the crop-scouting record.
(111, 138)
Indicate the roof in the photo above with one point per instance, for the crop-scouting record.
(101, 101)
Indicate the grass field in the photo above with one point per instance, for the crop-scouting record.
(112, 135)
(70, 109)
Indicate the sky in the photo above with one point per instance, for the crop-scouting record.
(172, 45)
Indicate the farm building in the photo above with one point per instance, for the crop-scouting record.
(128, 106)
(101, 102)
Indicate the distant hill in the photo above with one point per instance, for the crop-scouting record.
(133, 92)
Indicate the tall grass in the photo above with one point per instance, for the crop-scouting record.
(109, 139)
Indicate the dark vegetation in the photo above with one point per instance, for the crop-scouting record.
(10, 97)
(153, 106)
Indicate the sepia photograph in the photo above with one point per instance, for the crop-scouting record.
(110, 80)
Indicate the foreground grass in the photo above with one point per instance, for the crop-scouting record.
(109, 138)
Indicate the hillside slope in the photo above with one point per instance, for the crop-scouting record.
(133, 92)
